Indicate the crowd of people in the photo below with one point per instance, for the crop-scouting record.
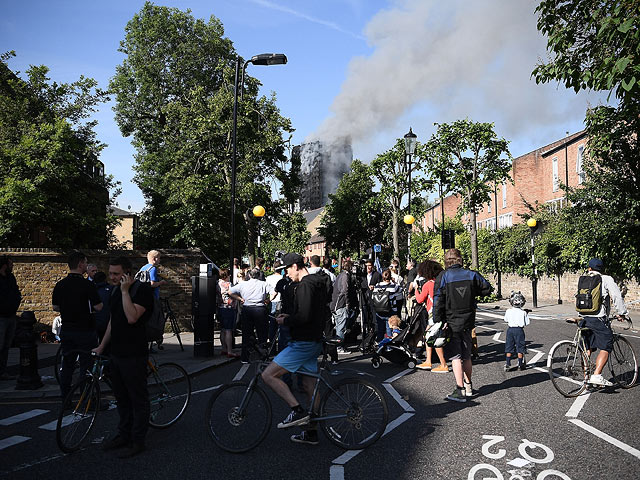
(303, 304)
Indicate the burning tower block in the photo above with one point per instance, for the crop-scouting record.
(322, 166)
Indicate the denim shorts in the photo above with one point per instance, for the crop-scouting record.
(600, 336)
(300, 356)
(515, 342)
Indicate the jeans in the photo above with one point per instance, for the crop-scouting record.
(72, 342)
(7, 331)
(129, 382)
(253, 318)
(383, 327)
(340, 317)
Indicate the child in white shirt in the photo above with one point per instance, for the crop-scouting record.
(517, 319)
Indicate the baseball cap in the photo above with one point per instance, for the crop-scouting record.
(291, 258)
(596, 264)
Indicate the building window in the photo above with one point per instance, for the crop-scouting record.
(504, 195)
(505, 220)
(555, 204)
(556, 179)
(579, 169)
(489, 206)
(478, 225)
(490, 224)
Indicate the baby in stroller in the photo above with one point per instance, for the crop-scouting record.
(400, 348)
(394, 325)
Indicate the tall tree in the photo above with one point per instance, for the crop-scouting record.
(351, 218)
(392, 172)
(174, 95)
(288, 233)
(595, 45)
(473, 158)
(53, 191)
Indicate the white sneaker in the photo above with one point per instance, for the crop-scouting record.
(600, 381)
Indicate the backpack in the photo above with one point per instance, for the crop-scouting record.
(589, 296)
(155, 323)
(143, 275)
(381, 300)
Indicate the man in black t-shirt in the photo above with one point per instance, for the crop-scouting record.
(131, 305)
(76, 298)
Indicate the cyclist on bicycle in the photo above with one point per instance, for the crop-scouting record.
(306, 326)
(601, 334)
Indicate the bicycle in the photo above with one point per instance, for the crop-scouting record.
(352, 412)
(57, 367)
(171, 317)
(169, 395)
(570, 366)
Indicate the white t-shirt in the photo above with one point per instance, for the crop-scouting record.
(254, 292)
(273, 280)
(516, 317)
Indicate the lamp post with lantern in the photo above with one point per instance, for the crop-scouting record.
(410, 142)
(258, 212)
(533, 226)
(262, 59)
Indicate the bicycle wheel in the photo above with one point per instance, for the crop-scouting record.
(355, 413)
(623, 363)
(169, 394)
(238, 418)
(568, 368)
(78, 415)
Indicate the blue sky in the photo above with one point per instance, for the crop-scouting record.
(364, 68)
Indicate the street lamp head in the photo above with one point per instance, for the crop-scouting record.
(409, 219)
(531, 223)
(410, 141)
(269, 59)
(258, 211)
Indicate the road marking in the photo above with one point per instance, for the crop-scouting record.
(396, 377)
(66, 420)
(536, 357)
(241, 372)
(11, 441)
(607, 438)
(206, 389)
(22, 416)
(336, 472)
(496, 337)
(32, 464)
(396, 396)
(578, 403)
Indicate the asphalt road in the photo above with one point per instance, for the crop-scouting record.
(518, 427)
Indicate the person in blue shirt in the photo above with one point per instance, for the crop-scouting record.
(153, 257)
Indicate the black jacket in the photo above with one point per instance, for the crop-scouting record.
(9, 295)
(310, 308)
(454, 299)
(376, 278)
(341, 297)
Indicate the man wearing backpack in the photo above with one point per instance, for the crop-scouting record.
(149, 273)
(126, 334)
(595, 306)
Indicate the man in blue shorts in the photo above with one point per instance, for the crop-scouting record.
(306, 325)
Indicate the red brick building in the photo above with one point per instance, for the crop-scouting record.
(536, 176)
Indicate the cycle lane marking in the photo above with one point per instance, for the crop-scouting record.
(241, 372)
(22, 416)
(607, 438)
(577, 405)
(11, 441)
(336, 471)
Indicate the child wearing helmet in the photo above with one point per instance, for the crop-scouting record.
(517, 319)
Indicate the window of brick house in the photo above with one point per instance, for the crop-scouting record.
(579, 169)
(556, 179)
(505, 220)
(504, 195)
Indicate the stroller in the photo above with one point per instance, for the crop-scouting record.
(401, 349)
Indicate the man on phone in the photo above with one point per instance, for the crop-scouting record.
(131, 307)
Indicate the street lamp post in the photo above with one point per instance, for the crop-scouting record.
(262, 59)
(258, 212)
(532, 224)
(410, 141)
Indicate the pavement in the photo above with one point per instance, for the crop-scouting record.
(170, 353)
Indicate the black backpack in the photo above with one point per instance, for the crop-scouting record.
(381, 300)
(154, 326)
(589, 296)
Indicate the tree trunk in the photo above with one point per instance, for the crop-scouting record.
(474, 241)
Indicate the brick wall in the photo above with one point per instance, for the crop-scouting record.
(38, 270)
(548, 289)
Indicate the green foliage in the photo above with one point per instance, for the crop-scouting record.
(52, 190)
(468, 157)
(289, 234)
(392, 172)
(174, 95)
(355, 214)
(594, 45)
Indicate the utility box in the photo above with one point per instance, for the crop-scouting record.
(448, 239)
(203, 310)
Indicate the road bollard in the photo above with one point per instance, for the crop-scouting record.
(29, 378)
